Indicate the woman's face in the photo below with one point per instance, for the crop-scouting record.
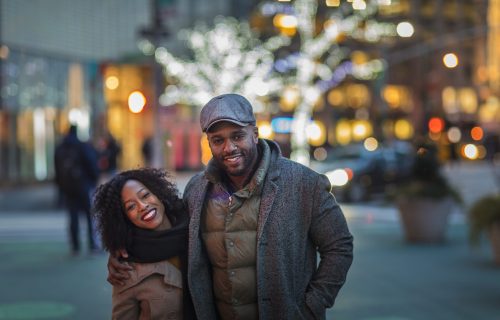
(142, 207)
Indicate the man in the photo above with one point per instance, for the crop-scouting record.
(258, 222)
(76, 175)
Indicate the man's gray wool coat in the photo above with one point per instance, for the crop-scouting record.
(298, 219)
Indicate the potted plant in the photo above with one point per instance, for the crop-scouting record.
(426, 200)
(484, 217)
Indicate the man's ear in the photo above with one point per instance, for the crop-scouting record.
(256, 134)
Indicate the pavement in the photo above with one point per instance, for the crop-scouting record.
(389, 279)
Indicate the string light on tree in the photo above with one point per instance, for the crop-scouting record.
(320, 62)
(227, 57)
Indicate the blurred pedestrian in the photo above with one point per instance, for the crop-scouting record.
(140, 211)
(76, 175)
(454, 157)
(258, 224)
(492, 145)
(147, 151)
(109, 150)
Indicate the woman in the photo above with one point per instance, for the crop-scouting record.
(139, 211)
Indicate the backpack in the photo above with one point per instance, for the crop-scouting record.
(70, 171)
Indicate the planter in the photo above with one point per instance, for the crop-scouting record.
(494, 234)
(424, 220)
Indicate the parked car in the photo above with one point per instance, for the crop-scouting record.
(356, 173)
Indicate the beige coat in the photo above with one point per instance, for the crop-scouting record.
(153, 291)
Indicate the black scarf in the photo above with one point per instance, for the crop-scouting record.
(147, 246)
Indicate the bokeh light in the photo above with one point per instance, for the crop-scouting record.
(477, 133)
(343, 132)
(370, 144)
(470, 151)
(112, 82)
(436, 125)
(316, 133)
(332, 3)
(450, 60)
(136, 101)
(338, 177)
(405, 29)
(403, 129)
(320, 154)
(454, 135)
(265, 130)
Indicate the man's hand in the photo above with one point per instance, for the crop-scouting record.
(117, 270)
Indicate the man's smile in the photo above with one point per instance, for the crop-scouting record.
(233, 159)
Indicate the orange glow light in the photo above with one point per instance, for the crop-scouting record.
(350, 173)
(476, 133)
(436, 125)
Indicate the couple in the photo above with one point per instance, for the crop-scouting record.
(257, 222)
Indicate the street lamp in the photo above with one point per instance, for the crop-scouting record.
(155, 33)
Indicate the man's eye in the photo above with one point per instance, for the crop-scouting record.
(217, 141)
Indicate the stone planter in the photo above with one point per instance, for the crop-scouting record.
(424, 220)
(494, 234)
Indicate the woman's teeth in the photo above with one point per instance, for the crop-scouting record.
(149, 215)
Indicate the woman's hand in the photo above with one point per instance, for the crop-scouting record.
(118, 270)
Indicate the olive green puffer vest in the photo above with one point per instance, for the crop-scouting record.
(229, 227)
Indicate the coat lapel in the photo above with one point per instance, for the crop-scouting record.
(195, 244)
(269, 193)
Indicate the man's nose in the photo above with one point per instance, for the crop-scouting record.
(229, 146)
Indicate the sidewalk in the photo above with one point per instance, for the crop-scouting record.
(389, 278)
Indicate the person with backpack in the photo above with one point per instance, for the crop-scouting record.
(76, 174)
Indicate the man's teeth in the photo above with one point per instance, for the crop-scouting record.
(233, 158)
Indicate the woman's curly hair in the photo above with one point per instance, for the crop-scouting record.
(112, 222)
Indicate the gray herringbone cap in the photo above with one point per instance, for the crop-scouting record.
(227, 107)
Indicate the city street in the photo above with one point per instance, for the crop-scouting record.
(397, 103)
(389, 278)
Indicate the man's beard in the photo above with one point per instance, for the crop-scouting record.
(248, 162)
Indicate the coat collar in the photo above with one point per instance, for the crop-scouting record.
(270, 188)
(254, 186)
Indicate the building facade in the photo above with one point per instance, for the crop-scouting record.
(53, 55)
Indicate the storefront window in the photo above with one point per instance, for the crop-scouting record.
(34, 111)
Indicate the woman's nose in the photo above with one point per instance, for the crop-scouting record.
(143, 205)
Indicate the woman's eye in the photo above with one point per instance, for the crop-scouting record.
(130, 207)
(146, 195)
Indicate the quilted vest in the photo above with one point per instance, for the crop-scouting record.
(229, 230)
